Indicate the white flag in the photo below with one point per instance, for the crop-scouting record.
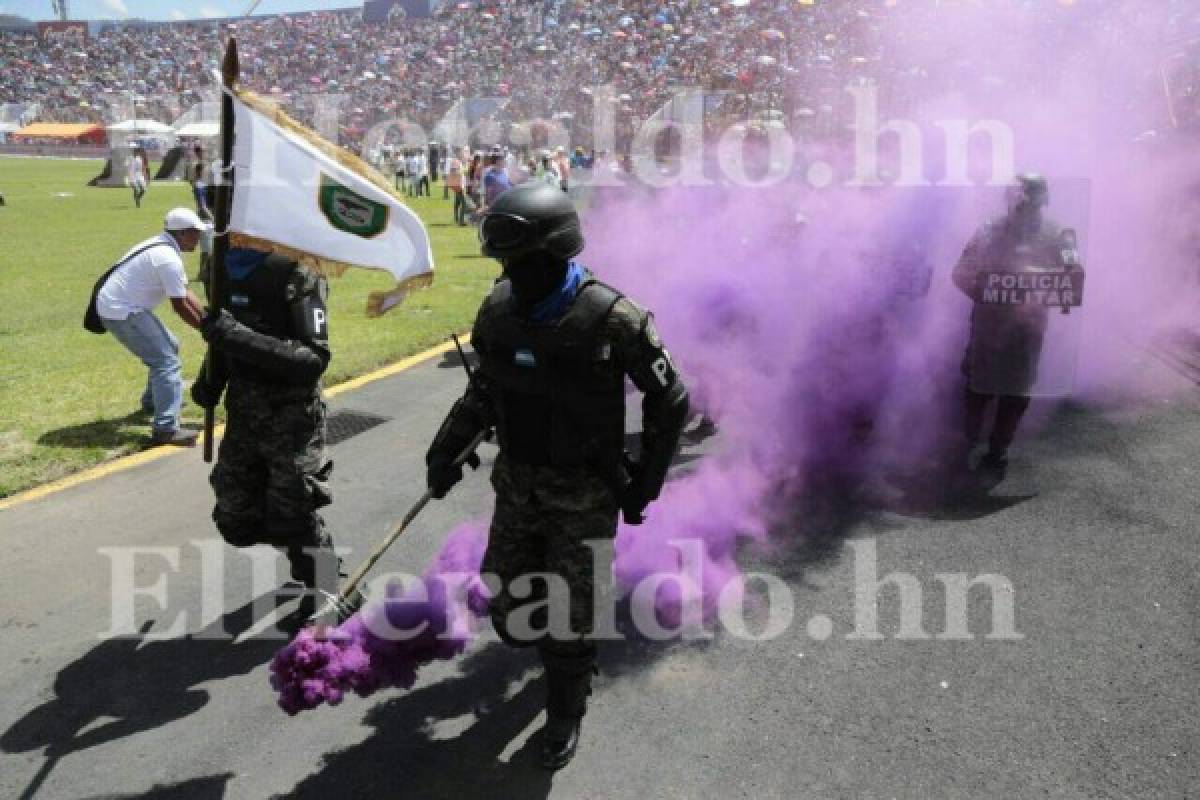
(297, 194)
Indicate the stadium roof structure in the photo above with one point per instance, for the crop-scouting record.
(61, 130)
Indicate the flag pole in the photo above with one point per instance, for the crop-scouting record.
(222, 203)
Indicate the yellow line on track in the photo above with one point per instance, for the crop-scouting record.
(146, 456)
(389, 370)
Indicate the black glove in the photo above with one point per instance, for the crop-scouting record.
(633, 496)
(216, 326)
(203, 395)
(441, 476)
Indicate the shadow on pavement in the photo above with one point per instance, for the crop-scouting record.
(210, 787)
(498, 694)
(449, 739)
(954, 498)
(407, 756)
(133, 686)
(828, 511)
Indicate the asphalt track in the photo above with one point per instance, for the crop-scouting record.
(1094, 531)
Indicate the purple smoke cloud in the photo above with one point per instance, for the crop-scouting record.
(820, 327)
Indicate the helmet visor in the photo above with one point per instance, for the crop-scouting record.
(504, 231)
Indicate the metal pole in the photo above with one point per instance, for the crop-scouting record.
(339, 608)
(223, 203)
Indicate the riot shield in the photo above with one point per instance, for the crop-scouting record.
(1027, 286)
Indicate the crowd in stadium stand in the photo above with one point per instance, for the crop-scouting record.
(761, 58)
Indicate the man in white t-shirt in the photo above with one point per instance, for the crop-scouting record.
(148, 274)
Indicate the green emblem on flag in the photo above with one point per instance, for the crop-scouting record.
(349, 211)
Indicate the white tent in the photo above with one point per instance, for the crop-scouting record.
(141, 126)
(154, 136)
(200, 129)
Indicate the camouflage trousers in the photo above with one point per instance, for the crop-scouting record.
(542, 521)
(272, 471)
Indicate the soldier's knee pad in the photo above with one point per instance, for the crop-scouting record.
(306, 531)
(236, 529)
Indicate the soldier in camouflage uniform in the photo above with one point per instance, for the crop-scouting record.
(272, 471)
(555, 346)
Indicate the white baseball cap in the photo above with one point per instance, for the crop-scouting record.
(184, 219)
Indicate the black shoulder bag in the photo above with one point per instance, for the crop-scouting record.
(91, 317)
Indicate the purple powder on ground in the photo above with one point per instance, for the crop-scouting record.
(385, 643)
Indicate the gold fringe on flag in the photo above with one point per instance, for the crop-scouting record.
(379, 303)
(344, 157)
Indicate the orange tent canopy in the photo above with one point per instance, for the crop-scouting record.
(56, 130)
(64, 130)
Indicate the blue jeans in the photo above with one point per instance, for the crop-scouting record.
(147, 338)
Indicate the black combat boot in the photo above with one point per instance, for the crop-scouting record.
(994, 465)
(567, 691)
(560, 737)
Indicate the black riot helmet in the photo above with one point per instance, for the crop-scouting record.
(1030, 192)
(531, 219)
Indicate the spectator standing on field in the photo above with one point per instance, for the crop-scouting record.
(410, 169)
(495, 179)
(435, 161)
(420, 174)
(454, 183)
(474, 178)
(563, 165)
(399, 167)
(136, 171)
(200, 195)
(549, 172)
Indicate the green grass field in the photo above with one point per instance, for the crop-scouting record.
(69, 399)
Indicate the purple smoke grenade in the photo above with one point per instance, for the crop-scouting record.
(386, 643)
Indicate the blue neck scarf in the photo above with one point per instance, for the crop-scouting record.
(240, 262)
(554, 305)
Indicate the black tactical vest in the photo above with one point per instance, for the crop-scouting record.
(262, 302)
(558, 389)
